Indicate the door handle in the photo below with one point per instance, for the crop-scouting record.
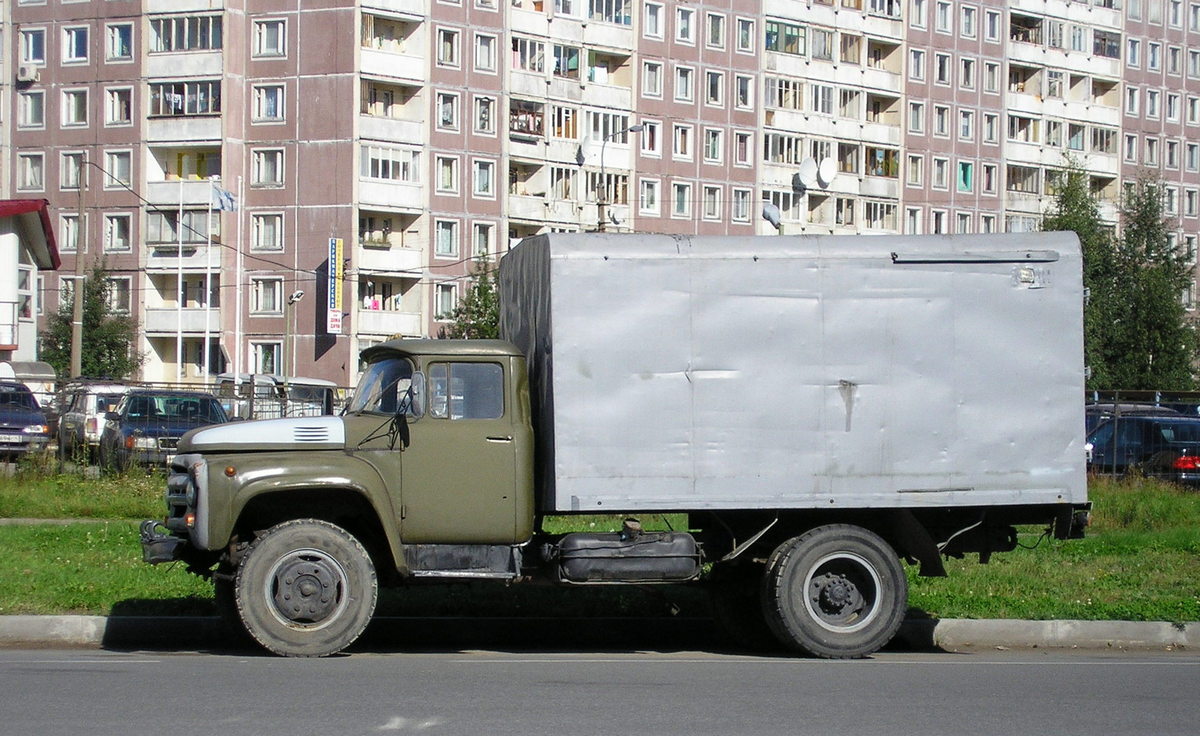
(506, 438)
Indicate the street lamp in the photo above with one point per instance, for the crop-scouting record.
(602, 195)
(289, 332)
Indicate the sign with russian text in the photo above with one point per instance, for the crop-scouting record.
(333, 320)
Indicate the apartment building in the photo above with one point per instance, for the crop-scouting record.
(274, 185)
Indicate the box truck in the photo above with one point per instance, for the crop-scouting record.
(820, 410)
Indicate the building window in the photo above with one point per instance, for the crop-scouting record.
(714, 88)
(25, 293)
(915, 173)
(712, 203)
(652, 24)
(447, 111)
(648, 197)
(33, 46)
(965, 178)
(485, 115)
(268, 103)
(186, 33)
(714, 36)
(714, 145)
(685, 25)
(74, 107)
(484, 179)
(446, 300)
(69, 232)
(651, 138)
(118, 169)
(741, 205)
(566, 61)
(270, 37)
(682, 145)
(117, 233)
(446, 238)
(30, 170)
(162, 226)
(745, 35)
(266, 232)
(447, 47)
(786, 38)
(684, 91)
(119, 42)
(447, 174)
(485, 53)
(266, 296)
(267, 167)
(267, 357)
(651, 79)
(185, 98)
(118, 106)
(681, 199)
(482, 239)
(390, 164)
(31, 109)
(117, 294)
(743, 92)
(916, 65)
(75, 45)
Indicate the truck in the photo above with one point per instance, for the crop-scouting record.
(822, 410)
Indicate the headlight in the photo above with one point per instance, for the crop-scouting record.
(144, 443)
(36, 429)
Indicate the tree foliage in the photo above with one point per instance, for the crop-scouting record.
(108, 338)
(1136, 331)
(477, 315)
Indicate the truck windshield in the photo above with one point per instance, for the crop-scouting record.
(382, 387)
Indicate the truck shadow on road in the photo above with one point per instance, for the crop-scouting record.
(186, 626)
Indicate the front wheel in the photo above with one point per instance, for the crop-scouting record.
(305, 588)
(836, 591)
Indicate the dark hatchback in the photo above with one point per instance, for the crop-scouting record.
(146, 425)
(1163, 446)
(23, 425)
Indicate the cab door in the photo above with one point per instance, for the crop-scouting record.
(459, 469)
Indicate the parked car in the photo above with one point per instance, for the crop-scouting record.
(22, 421)
(146, 425)
(1096, 413)
(1158, 445)
(84, 406)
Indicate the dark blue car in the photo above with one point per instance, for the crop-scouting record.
(22, 423)
(145, 428)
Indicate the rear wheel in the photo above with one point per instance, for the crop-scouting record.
(836, 591)
(305, 588)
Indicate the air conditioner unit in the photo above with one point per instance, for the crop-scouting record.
(27, 73)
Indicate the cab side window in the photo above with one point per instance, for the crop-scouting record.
(466, 390)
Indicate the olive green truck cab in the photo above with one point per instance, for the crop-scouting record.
(821, 409)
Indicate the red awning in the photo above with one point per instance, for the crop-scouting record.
(35, 218)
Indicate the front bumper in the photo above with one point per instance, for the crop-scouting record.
(158, 546)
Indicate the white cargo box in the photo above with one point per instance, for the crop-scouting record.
(676, 372)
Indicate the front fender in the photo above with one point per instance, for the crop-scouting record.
(235, 481)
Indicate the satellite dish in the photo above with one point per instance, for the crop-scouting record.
(808, 172)
(826, 170)
(771, 214)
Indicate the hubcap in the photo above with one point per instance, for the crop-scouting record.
(307, 588)
(841, 592)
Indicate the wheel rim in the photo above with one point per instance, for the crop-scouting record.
(306, 589)
(841, 592)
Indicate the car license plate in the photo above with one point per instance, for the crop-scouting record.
(11, 438)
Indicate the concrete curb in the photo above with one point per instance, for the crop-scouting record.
(184, 632)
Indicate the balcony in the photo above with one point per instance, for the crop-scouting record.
(167, 320)
(192, 192)
(184, 64)
(166, 258)
(393, 260)
(400, 195)
(526, 207)
(390, 129)
(206, 128)
(390, 64)
(380, 322)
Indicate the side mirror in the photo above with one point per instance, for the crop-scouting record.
(112, 416)
(416, 395)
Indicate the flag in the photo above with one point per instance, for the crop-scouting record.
(223, 200)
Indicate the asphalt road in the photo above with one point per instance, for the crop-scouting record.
(48, 692)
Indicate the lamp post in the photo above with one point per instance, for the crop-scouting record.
(602, 194)
(289, 346)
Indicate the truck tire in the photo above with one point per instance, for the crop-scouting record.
(305, 588)
(836, 591)
(737, 605)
